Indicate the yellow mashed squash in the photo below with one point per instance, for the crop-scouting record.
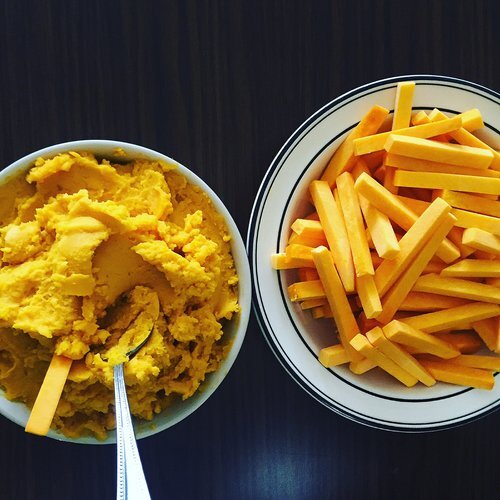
(86, 246)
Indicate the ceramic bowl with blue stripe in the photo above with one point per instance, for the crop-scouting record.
(374, 399)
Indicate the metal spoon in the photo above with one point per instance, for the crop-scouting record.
(130, 480)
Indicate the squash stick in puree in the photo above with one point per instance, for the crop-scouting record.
(435, 276)
(48, 397)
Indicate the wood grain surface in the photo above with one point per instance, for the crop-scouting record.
(219, 86)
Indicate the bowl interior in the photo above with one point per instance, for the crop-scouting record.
(234, 330)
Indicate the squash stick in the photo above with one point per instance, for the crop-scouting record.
(399, 356)
(464, 137)
(368, 295)
(489, 331)
(339, 207)
(306, 290)
(456, 287)
(310, 303)
(343, 158)
(471, 202)
(465, 219)
(416, 165)
(478, 361)
(363, 345)
(426, 302)
(308, 228)
(473, 268)
(403, 105)
(471, 119)
(410, 245)
(381, 230)
(297, 251)
(355, 227)
(337, 299)
(48, 397)
(395, 296)
(448, 319)
(425, 149)
(335, 232)
(471, 220)
(432, 180)
(397, 211)
(377, 142)
(333, 355)
(481, 240)
(402, 333)
(401, 119)
(362, 366)
(447, 371)
(402, 115)
(309, 241)
(420, 118)
(482, 255)
(307, 274)
(465, 342)
(281, 261)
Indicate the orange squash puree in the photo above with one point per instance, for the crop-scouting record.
(76, 234)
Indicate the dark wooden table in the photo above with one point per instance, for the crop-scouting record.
(219, 86)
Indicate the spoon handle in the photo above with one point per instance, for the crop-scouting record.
(131, 482)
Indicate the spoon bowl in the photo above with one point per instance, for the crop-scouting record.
(130, 478)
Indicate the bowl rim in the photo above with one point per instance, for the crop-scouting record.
(252, 233)
(213, 380)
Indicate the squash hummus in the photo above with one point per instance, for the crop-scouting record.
(87, 248)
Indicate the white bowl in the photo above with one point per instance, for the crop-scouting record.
(234, 331)
(374, 399)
